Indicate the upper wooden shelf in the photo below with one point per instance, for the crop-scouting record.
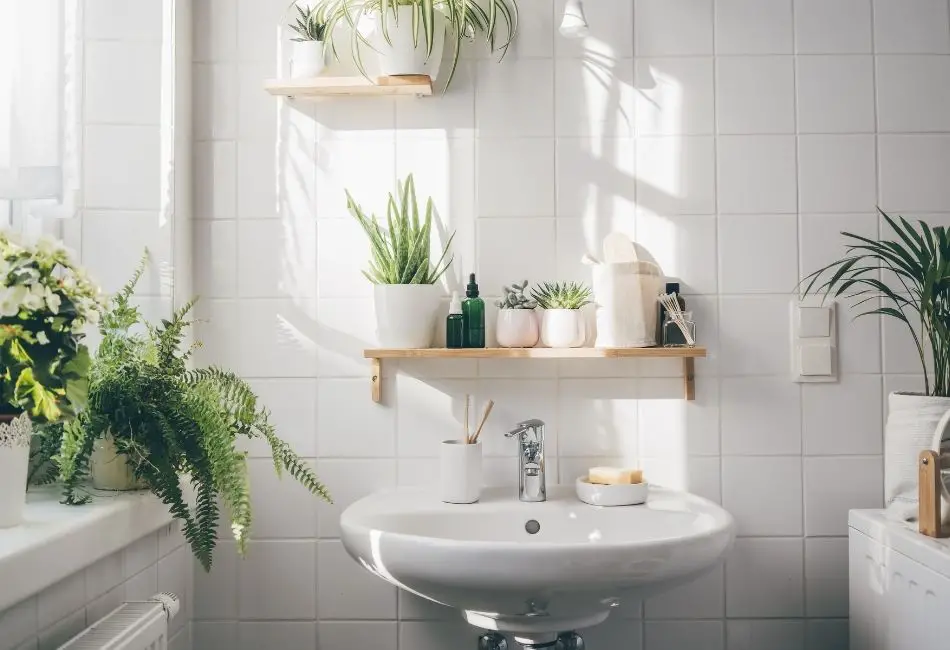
(313, 87)
(686, 354)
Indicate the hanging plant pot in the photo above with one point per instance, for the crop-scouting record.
(404, 53)
(111, 470)
(16, 431)
(405, 314)
(308, 59)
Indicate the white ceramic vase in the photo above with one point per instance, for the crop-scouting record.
(563, 328)
(110, 470)
(517, 328)
(460, 476)
(911, 428)
(308, 59)
(15, 436)
(406, 314)
(402, 55)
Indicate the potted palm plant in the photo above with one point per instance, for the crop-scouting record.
(308, 56)
(517, 325)
(45, 302)
(562, 323)
(915, 291)
(170, 424)
(401, 269)
(408, 36)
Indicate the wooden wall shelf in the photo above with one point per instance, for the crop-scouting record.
(314, 87)
(686, 354)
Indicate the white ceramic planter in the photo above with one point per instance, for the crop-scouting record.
(406, 314)
(401, 55)
(308, 59)
(517, 328)
(911, 428)
(563, 328)
(109, 469)
(460, 472)
(15, 435)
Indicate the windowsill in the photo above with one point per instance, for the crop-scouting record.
(56, 541)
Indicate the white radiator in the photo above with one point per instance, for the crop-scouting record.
(132, 626)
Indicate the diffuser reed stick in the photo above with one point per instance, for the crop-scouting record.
(669, 301)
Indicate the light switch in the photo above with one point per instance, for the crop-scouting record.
(814, 322)
(814, 359)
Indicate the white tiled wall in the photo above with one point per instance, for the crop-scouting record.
(734, 138)
(160, 561)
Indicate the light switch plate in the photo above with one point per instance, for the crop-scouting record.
(814, 344)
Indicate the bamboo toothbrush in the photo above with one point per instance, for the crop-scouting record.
(485, 413)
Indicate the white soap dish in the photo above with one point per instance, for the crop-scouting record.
(630, 494)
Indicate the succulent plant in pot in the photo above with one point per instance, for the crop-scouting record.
(517, 324)
(401, 267)
(308, 56)
(562, 323)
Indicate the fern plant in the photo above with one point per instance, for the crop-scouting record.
(307, 25)
(561, 295)
(172, 423)
(401, 251)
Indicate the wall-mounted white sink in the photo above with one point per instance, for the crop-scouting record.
(581, 562)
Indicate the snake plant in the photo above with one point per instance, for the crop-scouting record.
(561, 295)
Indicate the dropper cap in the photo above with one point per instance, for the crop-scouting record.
(471, 291)
(455, 307)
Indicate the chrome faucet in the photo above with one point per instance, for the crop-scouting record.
(531, 486)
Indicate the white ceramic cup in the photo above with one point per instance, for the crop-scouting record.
(460, 471)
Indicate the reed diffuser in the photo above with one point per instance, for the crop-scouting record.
(678, 322)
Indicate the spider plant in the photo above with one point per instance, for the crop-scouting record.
(308, 25)
(561, 295)
(464, 19)
(401, 250)
(916, 291)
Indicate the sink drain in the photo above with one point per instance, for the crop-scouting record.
(532, 526)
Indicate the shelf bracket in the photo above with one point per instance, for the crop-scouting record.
(377, 379)
(928, 517)
(689, 379)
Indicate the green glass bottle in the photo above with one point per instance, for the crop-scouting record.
(455, 324)
(473, 316)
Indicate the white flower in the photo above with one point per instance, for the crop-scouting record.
(11, 299)
(33, 299)
(41, 338)
(53, 300)
(92, 317)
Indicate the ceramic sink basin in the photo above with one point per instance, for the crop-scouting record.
(583, 560)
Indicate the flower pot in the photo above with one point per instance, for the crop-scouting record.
(406, 314)
(307, 59)
(110, 470)
(517, 328)
(563, 328)
(911, 428)
(15, 435)
(403, 53)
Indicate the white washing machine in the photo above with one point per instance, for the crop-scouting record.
(900, 585)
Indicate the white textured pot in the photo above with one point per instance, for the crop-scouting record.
(110, 470)
(307, 59)
(911, 428)
(517, 328)
(401, 55)
(563, 328)
(405, 314)
(15, 435)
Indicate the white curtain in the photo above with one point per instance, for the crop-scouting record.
(40, 120)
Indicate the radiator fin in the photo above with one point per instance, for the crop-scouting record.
(132, 626)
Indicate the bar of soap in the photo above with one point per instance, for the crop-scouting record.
(614, 476)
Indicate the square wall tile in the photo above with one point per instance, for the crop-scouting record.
(215, 92)
(516, 99)
(674, 96)
(757, 174)
(764, 578)
(760, 416)
(215, 30)
(611, 31)
(292, 404)
(348, 591)
(215, 170)
(122, 167)
(435, 635)
(840, 27)
(342, 432)
(297, 516)
(277, 338)
(216, 592)
(258, 29)
(18, 623)
(675, 635)
(367, 635)
(502, 257)
(755, 95)
(515, 177)
(774, 635)
(684, 247)
(843, 418)
(615, 632)
(595, 180)
(835, 93)
(742, 479)
(278, 581)
(911, 26)
(342, 254)
(754, 26)
(277, 258)
(215, 261)
(701, 598)
(757, 253)
(598, 417)
(822, 243)
(837, 173)
(516, 400)
(217, 635)
(61, 599)
(112, 265)
(117, 19)
(676, 175)
(360, 165)
(292, 636)
(431, 410)
(257, 178)
(826, 577)
(669, 427)
(452, 115)
(910, 173)
(134, 67)
(221, 343)
(828, 499)
(673, 27)
(591, 100)
(830, 634)
(913, 93)
(349, 480)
